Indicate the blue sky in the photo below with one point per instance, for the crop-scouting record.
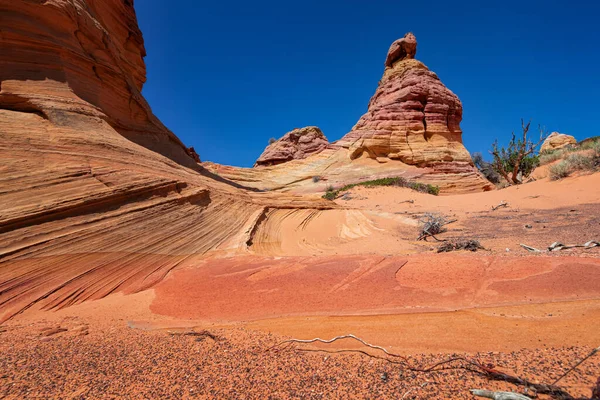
(227, 76)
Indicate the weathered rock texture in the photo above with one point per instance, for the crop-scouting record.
(411, 129)
(401, 49)
(556, 141)
(88, 206)
(295, 145)
(412, 117)
(72, 59)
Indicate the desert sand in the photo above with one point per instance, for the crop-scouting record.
(131, 269)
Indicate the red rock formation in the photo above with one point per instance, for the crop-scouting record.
(412, 117)
(401, 49)
(295, 145)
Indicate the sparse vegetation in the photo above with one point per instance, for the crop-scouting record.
(460, 244)
(560, 170)
(578, 161)
(516, 162)
(316, 179)
(485, 168)
(431, 225)
(548, 157)
(332, 193)
(272, 140)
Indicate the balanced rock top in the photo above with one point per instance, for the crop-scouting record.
(401, 49)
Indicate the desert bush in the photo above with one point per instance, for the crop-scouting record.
(485, 168)
(516, 162)
(316, 179)
(398, 181)
(460, 244)
(560, 170)
(431, 224)
(550, 156)
(272, 140)
(578, 162)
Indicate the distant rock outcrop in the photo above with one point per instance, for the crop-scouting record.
(556, 141)
(295, 145)
(412, 117)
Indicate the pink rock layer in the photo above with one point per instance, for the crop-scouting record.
(295, 145)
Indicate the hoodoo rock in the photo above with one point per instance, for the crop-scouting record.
(295, 145)
(412, 117)
(556, 141)
(411, 129)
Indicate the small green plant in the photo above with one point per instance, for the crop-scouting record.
(578, 161)
(517, 161)
(332, 194)
(560, 170)
(548, 157)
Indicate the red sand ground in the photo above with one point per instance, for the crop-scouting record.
(530, 315)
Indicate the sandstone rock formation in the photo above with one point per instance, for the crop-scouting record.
(411, 129)
(401, 49)
(96, 195)
(556, 141)
(295, 145)
(73, 60)
(412, 117)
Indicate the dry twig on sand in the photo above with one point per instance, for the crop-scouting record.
(431, 225)
(502, 204)
(463, 363)
(201, 335)
(556, 246)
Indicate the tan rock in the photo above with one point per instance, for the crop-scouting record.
(556, 141)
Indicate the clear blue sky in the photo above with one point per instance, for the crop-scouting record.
(226, 76)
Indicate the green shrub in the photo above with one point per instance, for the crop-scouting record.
(332, 194)
(560, 170)
(550, 156)
(578, 161)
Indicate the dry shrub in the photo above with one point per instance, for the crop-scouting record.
(461, 244)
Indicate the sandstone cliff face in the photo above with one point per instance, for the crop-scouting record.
(556, 141)
(295, 145)
(70, 59)
(88, 206)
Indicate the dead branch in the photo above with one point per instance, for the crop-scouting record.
(499, 395)
(465, 364)
(529, 248)
(202, 334)
(557, 246)
(502, 204)
(470, 244)
(592, 353)
(349, 336)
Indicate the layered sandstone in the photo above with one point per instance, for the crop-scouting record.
(67, 60)
(96, 195)
(295, 145)
(556, 141)
(411, 129)
(412, 117)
